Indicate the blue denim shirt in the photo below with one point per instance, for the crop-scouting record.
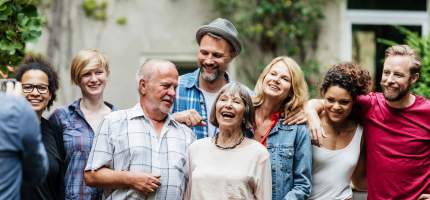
(78, 138)
(291, 157)
(22, 154)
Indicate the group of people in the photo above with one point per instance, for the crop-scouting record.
(204, 136)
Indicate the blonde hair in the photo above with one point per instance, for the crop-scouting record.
(88, 58)
(405, 50)
(298, 94)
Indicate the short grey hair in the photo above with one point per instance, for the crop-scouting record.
(233, 88)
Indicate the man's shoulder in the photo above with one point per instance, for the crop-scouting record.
(185, 129)
(117, 115)
(14, 106)
(188, 79)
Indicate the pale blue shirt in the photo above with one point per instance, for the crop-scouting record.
(22, 154)
(127, 141)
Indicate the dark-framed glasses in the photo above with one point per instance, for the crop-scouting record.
(41, 88)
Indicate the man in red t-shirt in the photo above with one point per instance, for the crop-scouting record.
(397, 127)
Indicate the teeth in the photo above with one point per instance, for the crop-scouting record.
(34, 101)
(275, 87)
(227, 114)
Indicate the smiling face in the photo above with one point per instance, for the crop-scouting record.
(213, 57)
(230, 111)
(159, 90)
(35, 88)
(337, 104)
(277, 82)
(396, 78)
(93, 81)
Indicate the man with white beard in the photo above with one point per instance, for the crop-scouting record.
(141, 152)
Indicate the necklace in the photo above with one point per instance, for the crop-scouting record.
(230, 147)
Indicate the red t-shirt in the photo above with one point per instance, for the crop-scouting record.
(398, 148)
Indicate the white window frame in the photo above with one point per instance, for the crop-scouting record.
(379, 17)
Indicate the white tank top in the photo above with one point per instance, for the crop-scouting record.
(332, 170)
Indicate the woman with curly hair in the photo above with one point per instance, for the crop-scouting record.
(39, 86)
(336, 158)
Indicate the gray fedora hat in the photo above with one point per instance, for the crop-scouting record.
(224, 29)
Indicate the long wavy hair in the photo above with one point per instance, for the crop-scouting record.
(298, 92)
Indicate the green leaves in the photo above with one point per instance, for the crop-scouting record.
(20, 22)
(95, 9)
(278, 27)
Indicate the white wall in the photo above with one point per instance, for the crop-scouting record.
(161, 29)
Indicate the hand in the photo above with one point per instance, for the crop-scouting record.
(296, 116)
(424, 197)
(316, 130)
(144, 182)
(189, 117)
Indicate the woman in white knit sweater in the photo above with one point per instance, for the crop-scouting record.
(230, 165)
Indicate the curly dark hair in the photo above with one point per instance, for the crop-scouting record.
(37, 62)
(348, 76)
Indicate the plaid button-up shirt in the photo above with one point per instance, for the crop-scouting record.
(78, 138)
(189, 96)
(127, 142)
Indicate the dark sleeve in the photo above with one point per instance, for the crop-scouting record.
(55, 119)
(302, 166)
(58, 135)
(35, 161)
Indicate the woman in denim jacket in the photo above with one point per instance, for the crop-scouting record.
(280, 90)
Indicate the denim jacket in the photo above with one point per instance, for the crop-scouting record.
(290, 154)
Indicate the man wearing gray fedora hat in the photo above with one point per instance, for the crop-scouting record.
(218, 46)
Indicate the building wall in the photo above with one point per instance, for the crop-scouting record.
(154, 29)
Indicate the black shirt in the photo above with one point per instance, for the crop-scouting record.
(53, 186)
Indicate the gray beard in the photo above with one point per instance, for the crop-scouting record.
(210, 77)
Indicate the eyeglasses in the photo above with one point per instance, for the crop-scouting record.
(28, 88)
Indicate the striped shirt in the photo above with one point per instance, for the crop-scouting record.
(127, 141)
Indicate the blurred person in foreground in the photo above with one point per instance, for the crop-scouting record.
(230, 165)
(397, 127)
(39, 85)
(280, 90)
(22, 154)
(79, 121)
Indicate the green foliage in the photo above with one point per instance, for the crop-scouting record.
(20, 22)
(422, 47)
(95, 9)
(278, 27)
(121, 20)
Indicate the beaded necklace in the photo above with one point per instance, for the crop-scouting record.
(230, 147)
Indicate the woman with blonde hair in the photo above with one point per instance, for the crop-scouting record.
(89, 70)
(280, 90)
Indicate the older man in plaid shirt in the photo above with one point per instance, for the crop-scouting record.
(141, 152)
